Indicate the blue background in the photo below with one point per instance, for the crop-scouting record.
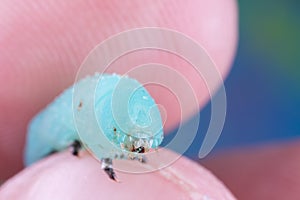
(263, 88)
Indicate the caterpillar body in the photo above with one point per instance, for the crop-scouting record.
(54, 128)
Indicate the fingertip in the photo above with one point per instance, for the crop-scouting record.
(63, 176)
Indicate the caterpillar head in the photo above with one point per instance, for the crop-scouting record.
(132, 119)
(136, 145)
(145, 126)
(145, 132)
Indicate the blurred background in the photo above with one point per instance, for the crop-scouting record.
(257, 155)
(263, 87)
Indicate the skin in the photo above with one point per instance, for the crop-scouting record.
(42, 46)
(82, 179)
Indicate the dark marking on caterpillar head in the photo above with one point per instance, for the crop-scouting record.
(140, 149)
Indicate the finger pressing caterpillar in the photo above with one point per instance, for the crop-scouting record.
(54, 129)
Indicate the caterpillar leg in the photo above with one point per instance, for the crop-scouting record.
(142, 159)
(76, 146)
(107, 167)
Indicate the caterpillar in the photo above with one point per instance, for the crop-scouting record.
(130, 127)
